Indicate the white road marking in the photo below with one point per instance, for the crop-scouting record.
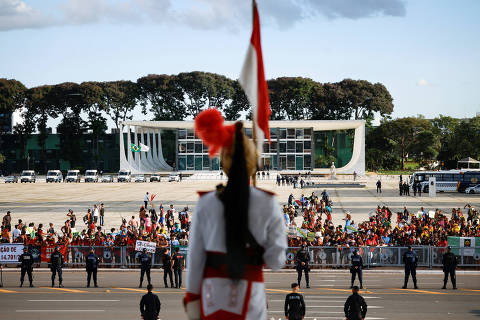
(55, 310)
(78, 300)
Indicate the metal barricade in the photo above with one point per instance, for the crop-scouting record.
(466, 257)
(108, 256)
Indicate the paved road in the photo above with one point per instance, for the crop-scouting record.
(118, 297)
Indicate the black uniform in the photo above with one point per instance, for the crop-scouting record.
(26, 263)
(92, 266)
(356, 268)
(303, 256)
(294, 306)
(178, 259)
(146, 265)
(410, 260)
(167, 269)
(150, 306)
(56, 265)
(355, 307)
(449, 265)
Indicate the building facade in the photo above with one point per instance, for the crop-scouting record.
(294, 145)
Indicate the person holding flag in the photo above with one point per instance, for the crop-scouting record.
(237, 228)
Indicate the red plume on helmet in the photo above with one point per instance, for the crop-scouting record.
(210, 128)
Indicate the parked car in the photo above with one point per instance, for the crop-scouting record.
(173, 177)
(124, 176)
(155, 177)
(139, 178)
(107, 178)
(73, 176)
(11, 179)
(54, 176)
(28, 176)
(91, 176)
(473, 189)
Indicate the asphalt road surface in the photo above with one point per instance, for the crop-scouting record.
(118, 296)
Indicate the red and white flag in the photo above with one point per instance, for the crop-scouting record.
(252, 80)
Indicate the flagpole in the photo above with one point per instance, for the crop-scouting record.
(254, 128)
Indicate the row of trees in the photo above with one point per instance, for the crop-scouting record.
(440, 142)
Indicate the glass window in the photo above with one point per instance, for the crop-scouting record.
(205, 149)
(198, 147)
(290, 162)
(291, 133)
(190, 162)
(266, 148)
(283, 163)
(274, 162)
(248, 132)
(283, 147)
(299, 163)
(182, 134)
(273, 133)
(190, 147)
(190, 134)
(182, 147)
(299, 147)
(290, 146)
(299, 133)
(198, 162)
(307, 133)
(206, 162)
(273, 146)
(307, 145)
(182, 163)
(216, 163)
(307, 162)
(283, 133)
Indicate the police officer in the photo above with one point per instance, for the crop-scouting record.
(167, 268)
(146, 265)
(355, 306)
(410, 260)
(294, 304)
(92, 266)
(26, 263)
(150, 305)
(178, 265)
(56, 265)
(302, 259)
(356, 268)
(449, 265)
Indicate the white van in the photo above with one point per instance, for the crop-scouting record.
(28, 176)
(124, 176)
(54, 176)
(91, 176)
(73, 176)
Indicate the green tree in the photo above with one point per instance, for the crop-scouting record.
(238, 104)
(12, 95)
(161, 95)
(119, 99)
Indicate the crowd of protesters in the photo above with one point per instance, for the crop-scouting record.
(383, 227)
(168, 227)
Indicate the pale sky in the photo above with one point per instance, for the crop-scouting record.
(426, 52)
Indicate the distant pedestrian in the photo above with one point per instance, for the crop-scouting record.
(146, 265)
(150, 305)
(419, 189)
(379, 186)
(145, 200)
(294, 304)
(56, 265)
(102, 214)
(26, 264)
(355, 306)
(178, 266)
(414, 188)
(356, 268)
(410, 260)
(92, 267)
(167, 268)
(400, 187)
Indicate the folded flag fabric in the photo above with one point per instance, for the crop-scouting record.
(140, 148)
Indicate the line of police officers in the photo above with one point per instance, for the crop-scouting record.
(172, 265)
(410, 260)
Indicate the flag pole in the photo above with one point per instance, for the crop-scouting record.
(254, 128)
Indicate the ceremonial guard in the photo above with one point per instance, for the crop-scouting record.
(356, 268)
(235, 231)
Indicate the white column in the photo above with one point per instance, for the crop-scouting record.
(129, 145)
(137, 154)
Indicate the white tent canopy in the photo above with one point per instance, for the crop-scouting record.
(467, 163)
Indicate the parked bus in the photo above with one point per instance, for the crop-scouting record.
(447, 180)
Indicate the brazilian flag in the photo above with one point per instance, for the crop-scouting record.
(135, 148)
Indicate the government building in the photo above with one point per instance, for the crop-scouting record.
(311, 145)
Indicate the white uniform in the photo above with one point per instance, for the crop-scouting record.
(214, 296)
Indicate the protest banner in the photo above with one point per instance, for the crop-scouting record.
(9, 252)
(150, 246)
(48, 250)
